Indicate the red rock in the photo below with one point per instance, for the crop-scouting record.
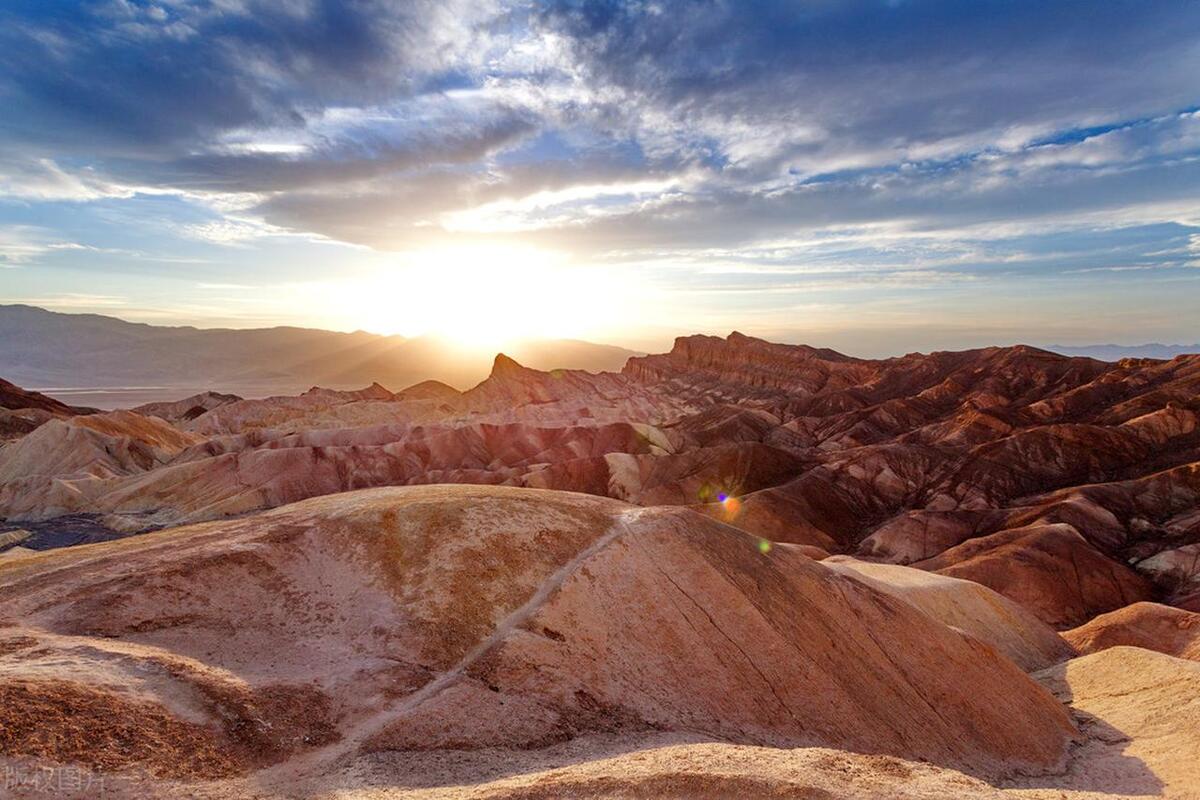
(22, 411)
(13, 397)
(468, 617)
(895, 459)
(1049, 569)
(966, 606)
(1148, 625)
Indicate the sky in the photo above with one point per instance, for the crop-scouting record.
(879, 176)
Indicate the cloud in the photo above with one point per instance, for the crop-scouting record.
(232, 287)
(837, 137)
(220, 98)
(125, 77)
(21, 244)
(226, 231)
(76, 301)
(809, 87)
(41, 179)
(450, 137)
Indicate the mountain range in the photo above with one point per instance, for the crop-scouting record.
(50, 349)
(1115, 352)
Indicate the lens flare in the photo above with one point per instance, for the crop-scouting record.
(730, 507)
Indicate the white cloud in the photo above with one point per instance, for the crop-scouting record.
(20, 244)
(43, 179)
(74, 301)
(553, 208)
(229, 231)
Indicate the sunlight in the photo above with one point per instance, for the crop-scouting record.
(487, 296)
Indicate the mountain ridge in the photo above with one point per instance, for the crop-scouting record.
(1116, 352)
(47, 348)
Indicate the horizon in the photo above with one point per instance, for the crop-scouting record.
(479, 363)
(480, 348)
(875, 177)
(437, 336)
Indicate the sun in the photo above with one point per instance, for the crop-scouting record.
(485, 297)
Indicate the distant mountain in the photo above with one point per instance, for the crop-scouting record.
(50, 349)
(1115, 352)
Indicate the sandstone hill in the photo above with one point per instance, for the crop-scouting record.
(968, 606)
(953, 462)
(736, 569)
(22, 410)
(399, 621)
(1148, 625)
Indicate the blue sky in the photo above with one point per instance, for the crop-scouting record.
(874, 176)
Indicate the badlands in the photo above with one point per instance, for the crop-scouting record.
(737, 569)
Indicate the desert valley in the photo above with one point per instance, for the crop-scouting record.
(600, 399)
(734, 569)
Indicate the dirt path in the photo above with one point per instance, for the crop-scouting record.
(315, 762)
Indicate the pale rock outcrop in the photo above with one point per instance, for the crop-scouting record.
(967, 606)
(475, 617)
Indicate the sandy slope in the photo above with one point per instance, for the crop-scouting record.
(967, 606)
(1140, 711)
(287, 647)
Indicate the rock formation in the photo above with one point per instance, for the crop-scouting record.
(967, 606)
(920, 459)
(660, 636)
(187, 409)
(1050, 569)
(1148, 625)
(474, 617)
(21, 410)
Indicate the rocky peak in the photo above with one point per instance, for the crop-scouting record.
(505, 367)
(375, 392)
